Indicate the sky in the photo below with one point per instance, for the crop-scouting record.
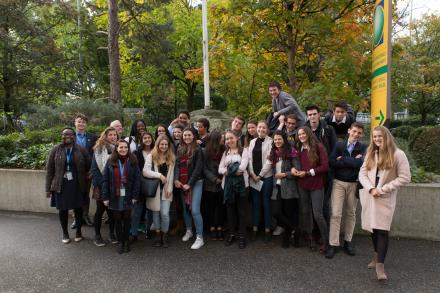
(420, 7)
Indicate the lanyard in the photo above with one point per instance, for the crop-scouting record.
(121, 169)
(68, 157)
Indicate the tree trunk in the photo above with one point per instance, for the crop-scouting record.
(113, 51)
(291, 60)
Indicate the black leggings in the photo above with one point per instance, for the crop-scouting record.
(64, 219)
(286, 211)
(122, 224)
(215, 208)
(380, 243)
(236, 214)
(100, 209)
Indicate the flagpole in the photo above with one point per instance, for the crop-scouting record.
(205, 54)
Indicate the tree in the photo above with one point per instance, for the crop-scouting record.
(113, 51)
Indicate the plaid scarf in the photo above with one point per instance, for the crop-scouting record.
(117, 175)
(184, 177)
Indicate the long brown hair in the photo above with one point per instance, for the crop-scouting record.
(214, 147)
(237, 135)
(187, 149)
(312, 144)
(114, 157)
(169, 155)
(385, 153)
(102, 140)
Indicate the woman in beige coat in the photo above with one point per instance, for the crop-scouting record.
(160, 164)
(385, 169)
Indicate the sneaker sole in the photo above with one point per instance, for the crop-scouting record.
(78, 239)
(67, 241)
(99, 245)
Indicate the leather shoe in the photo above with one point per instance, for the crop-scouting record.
(331, 250)
(349, 248)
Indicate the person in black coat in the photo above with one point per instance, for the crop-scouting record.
(120, 190)
(66, 180)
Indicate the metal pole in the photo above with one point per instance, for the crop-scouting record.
(205, 54)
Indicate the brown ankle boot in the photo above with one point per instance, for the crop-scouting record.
(380, 272)
(373, 262)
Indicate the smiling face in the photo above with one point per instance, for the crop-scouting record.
(274, 92)
(262, 130)
(118, 126)
(67, 136)
(177, 133)
(378, 138)
(112, 136)
(80, 125)
(122, 148)
(163, 145)
(302, 136)
(140, 127)
(231, 140)
(237, 124)
(188, 137)
(278, 141)
(340, 113)
(354, 134)
(161, 131)
(252, 129)
(201, 128)
(147, 140)
(313, 116)
(290, 124)
(183, 119)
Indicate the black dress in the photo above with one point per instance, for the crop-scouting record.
(70, 196)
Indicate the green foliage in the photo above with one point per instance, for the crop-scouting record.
(415, 134)
(414, 121)
(402, 131)
(32, 157)
(426, 149)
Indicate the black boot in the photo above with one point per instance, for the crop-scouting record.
(165, 242)
(330, 251)
(120, 247)
(127, 247)
(349, 248)
(242, 242)
(158, 239)
(285, 242)
(229, 239)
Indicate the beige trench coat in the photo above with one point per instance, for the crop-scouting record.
(153, 203)
(377, 212)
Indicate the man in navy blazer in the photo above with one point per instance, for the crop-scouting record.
(346, 160)
(87, 141)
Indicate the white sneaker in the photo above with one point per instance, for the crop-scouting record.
(188, 235)
(278, 231)
(198, 243)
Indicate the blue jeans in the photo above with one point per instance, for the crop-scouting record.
(161, 219)
(197, 190)
(136, 217)
(265, 193)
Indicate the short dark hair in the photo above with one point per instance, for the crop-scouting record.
(82, 116)
(342, 105)
(357, 124)
(275, 84)
(292, 116)
(69, 128)
(186, 112)
(240, 118)
(205, 122)
(312, 107)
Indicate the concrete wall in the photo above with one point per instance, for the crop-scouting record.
(417, 213)
(23, 190)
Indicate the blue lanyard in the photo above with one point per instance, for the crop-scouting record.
(68, 157)
(121, 169)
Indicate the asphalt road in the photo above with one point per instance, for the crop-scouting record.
(33, 259)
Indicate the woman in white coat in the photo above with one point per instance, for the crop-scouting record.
(384, 170)
(160, 164)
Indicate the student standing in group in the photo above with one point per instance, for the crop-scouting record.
(103, 148)
(289, 126)
(176, 213)
(314, 166)
(212, 185)
(66, 180)
(117, 125)
(120, 190)
(233, 168)
(251, 133)
(188, 178)
(162, 130)
(183, 118)
(139, 209)
(177, 135)
(237, 125)
(160, 165)
(346, 160)
(260, 169)
(285, 205)
(135, 138)
(341, 119)
(87, 141)
(202, 126)
(384, 171)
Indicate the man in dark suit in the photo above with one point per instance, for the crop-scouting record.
(87, 141)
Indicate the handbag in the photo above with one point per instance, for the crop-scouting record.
(149, 185)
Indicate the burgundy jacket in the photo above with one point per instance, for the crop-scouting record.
(318, 181)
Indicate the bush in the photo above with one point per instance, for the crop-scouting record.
(414, 135)
(426, 149)
(402, 131)
(414, 121)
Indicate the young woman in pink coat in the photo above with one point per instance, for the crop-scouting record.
(384, 170)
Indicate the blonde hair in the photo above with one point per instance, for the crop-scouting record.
(385, 153)
(102, 140)
(169, 155)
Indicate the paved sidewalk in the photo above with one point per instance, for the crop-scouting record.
(33, 259)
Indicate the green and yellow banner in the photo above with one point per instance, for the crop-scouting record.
(381, 69)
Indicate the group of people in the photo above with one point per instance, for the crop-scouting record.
(298, 173)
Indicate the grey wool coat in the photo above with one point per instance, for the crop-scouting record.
(289, 187)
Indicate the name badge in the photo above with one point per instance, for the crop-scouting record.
(69, 176)
(122, 192)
